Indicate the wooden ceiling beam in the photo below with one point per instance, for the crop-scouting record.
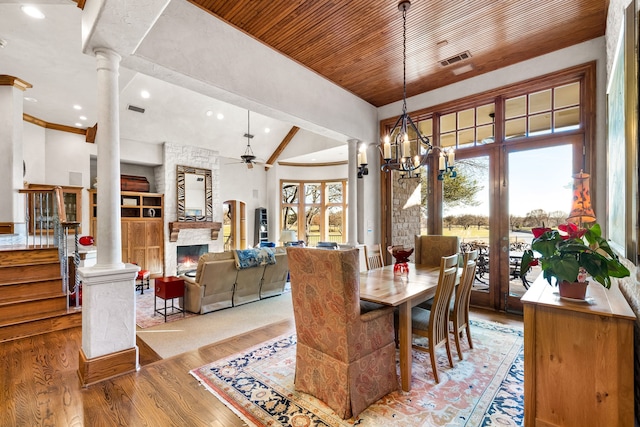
(287, 139)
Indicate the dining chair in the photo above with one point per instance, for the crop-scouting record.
(460, 310)
(434, 324)
(459, 306)
(345, 356)
(374, 257)
(430, 248)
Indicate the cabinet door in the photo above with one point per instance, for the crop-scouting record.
(124, 229)
(155, 243)
(137, 243)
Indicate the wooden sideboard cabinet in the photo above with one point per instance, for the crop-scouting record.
(578, 358)
(142, 226)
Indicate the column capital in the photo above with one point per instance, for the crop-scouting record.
(6, 80)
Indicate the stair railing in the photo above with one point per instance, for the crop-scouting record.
(47, 225)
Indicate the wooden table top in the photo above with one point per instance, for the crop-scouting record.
(381, 286)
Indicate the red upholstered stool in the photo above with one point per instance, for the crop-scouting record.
(142, 280)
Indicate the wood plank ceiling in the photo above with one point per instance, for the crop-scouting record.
(357, 44)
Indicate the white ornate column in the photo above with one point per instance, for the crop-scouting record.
(11, 125)
(108, 312)
(352, 220)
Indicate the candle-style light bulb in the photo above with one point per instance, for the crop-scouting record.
(441, 162)
(386, 148)
(406, 147)
(363, 154)
(451, 158)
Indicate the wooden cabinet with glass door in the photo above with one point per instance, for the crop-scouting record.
(142, 226)
(43, 207)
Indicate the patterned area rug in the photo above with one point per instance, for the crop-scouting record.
(145, 317)
(484, 389)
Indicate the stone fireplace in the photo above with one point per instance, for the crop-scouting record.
(187, 257)
(166, 182)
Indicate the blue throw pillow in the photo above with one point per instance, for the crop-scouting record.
(253, 257)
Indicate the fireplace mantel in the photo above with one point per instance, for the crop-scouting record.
(175, 227)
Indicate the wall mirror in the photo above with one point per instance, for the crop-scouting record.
(194, 194)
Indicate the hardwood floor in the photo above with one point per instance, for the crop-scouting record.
(39, 384)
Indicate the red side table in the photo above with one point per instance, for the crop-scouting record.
(168, 288)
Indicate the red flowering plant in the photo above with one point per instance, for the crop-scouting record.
(572, 253)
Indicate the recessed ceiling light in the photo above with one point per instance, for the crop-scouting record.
(220, 116)
(83, 117)
(79, 124)
(30, 99)
(33, 12)
(267, 130)
(145, 94)
(77, 107)
(313, 160)
(209, 113)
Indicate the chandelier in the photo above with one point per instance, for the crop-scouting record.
(400, 153)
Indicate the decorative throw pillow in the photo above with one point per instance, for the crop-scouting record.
(253, 257)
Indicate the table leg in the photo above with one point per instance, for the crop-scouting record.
(404, 338)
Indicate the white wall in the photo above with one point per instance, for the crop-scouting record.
(33, 144)
(248, 186)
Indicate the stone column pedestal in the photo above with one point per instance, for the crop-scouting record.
(108, 323)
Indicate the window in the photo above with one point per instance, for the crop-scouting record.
(323, 204)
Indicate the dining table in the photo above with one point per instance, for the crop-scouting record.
(382, 286)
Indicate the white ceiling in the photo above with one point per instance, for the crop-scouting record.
(47, 54)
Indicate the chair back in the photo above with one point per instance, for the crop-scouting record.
(374, 257)
(429, 249)
(327, 245)
(325, 289)
(439, 319)
(463, 292)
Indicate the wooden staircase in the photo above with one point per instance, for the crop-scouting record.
(31, 298)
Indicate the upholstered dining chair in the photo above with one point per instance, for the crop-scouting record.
(344, 357)
(373, 255)
(434, 324)
(430, 248)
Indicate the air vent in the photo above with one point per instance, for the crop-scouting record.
(456, 58)
(136, 109)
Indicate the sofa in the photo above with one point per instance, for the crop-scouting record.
(223, 279)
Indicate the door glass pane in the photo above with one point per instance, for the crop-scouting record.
(565, 96)
(336, 224)
(312, 193)
(515, 128)
(568, 119)
(290, 192)
(466, 212)
(540, 124)
(466, 118)
(515, 107)
(312, 225)
(227, 226)
(539, 195)
(448, 123)
(540, 101)
(485, 114)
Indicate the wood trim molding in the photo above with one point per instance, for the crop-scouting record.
(102, 368)
(91, 134)
(64, 128)
(6, 227)
(313, 165)
(6, 80)
(287, 139)
(176, 226)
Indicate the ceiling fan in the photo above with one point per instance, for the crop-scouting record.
(248, 158)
